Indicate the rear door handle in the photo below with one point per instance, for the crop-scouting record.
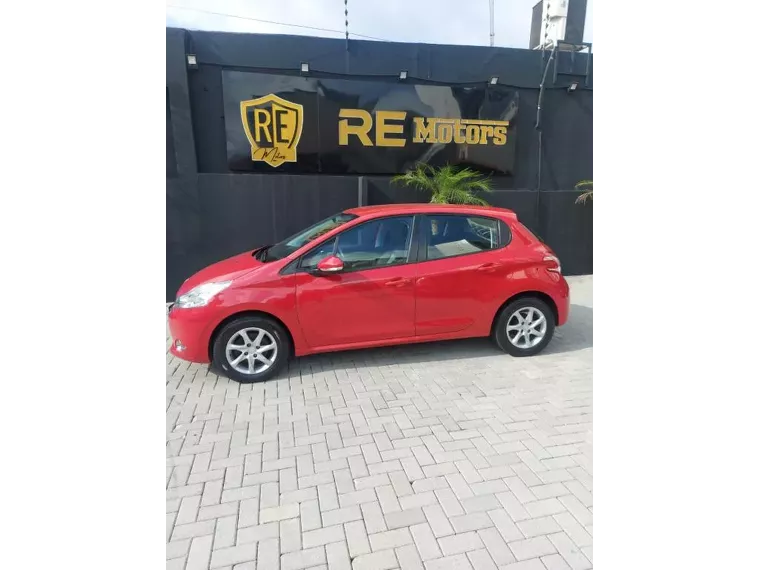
(398, 282)
(488, 267)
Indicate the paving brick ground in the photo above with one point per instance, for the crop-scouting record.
(436, 456)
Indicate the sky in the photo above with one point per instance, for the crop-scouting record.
(461, 22)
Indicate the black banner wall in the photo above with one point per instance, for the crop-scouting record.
(299, 125)
(218, 205)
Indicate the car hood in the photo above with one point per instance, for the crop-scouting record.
(226, 270)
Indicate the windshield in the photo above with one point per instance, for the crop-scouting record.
(289, 245)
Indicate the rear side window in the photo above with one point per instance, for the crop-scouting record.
(449, 236)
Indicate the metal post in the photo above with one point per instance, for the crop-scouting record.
(346, 25)
(492, 23)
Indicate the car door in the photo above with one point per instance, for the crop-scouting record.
(461, 273)
(372, 299)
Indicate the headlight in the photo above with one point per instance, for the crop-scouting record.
(201, 295)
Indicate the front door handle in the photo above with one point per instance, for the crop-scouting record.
(488, 267)
(398, 282)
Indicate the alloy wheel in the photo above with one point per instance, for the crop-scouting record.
(251, 351)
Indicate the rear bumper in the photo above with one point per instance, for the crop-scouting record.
(562, 302)
(189, 334)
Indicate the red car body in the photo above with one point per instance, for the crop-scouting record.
(439, 299)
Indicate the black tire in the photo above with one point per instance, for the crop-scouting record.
(272, 328)
(500, 334)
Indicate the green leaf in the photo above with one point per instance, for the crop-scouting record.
(447, 184)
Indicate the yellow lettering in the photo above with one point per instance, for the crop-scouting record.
(389, 129)
(458, 135)
(485, 132)
(499, 136)
(445, 133)
(361, 131)
(384, 129)
(261, 122)
(281, 123)
(424, 133)
(472, 134)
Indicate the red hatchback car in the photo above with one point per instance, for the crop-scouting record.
(373, 276)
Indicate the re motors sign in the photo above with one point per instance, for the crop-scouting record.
(293, 124)
(390, 129)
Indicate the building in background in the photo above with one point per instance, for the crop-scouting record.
(266, 134)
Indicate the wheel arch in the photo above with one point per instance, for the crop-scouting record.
(545, 297)
(248, 313)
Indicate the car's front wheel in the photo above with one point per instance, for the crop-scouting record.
(251, 349)
(524, 327)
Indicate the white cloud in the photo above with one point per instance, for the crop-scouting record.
(423, 21)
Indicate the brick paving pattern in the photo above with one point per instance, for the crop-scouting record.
(435, 456)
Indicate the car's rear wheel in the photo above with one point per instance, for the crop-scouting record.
(251, 349)
(524, 327)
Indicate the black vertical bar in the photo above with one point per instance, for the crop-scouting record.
(180, 105)
(318, 125)
(597, 125)
(557, 49)
(538, 224)
(362, 191)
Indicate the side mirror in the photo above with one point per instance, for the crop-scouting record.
(330, 264)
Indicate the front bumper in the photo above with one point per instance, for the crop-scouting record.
(189, 334)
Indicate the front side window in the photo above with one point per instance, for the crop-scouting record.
(379, 243)
(449, 236)
(313, 257)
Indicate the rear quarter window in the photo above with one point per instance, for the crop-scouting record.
(505, 233)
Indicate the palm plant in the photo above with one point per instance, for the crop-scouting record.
(582, 198)
(447, 185)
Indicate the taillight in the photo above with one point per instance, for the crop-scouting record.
(555, 260)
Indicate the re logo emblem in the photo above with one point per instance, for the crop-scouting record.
(273, 127)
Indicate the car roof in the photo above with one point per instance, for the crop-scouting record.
(388, 209)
